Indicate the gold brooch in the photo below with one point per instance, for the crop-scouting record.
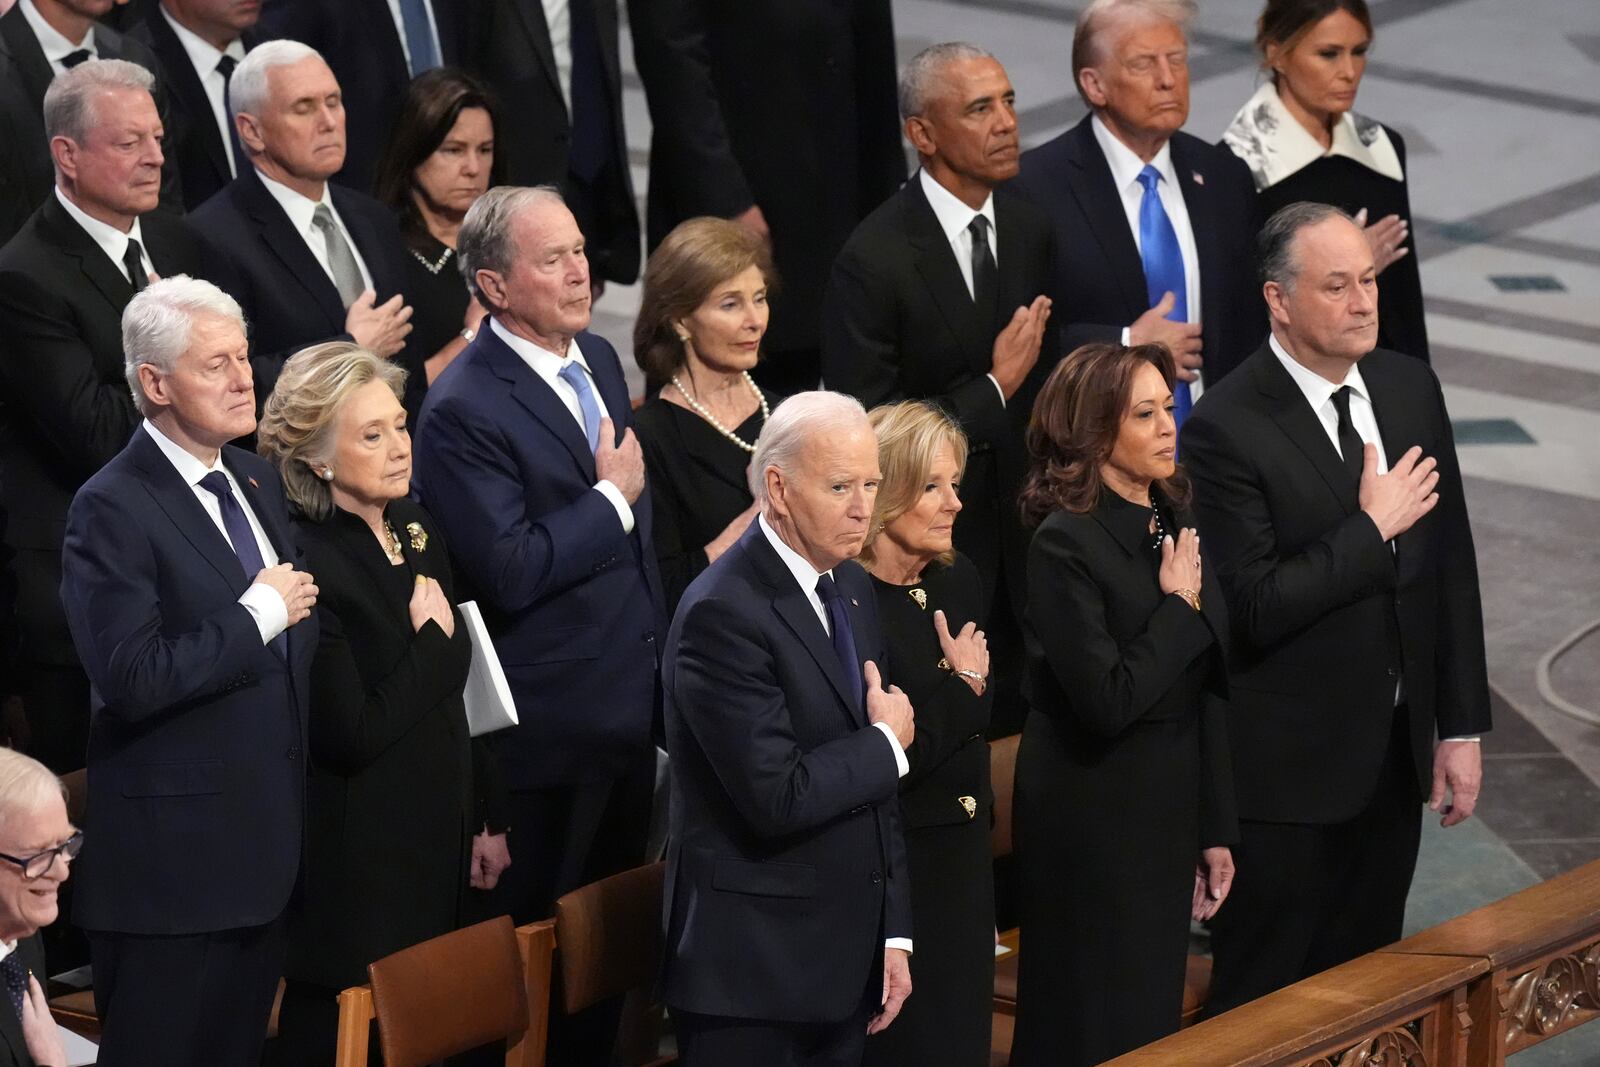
(970, 804)
(920, 596)
(419, 536)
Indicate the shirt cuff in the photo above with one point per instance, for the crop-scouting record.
(900, 762)
(618, 501)
(997, 388)
(903, 943)
(1472, 740)
(267, 608)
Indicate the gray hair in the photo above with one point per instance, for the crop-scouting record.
(157, 322)
(247, 89)
(1089, 36)
(485, 241)
(793, 423)
(69, 102)
(1275, 244)
(25, 784)
(919, 81)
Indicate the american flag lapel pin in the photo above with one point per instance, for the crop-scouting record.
(1199, 179)
(253, 483)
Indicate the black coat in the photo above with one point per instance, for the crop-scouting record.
(1099, 283)
(359, 40)
(26, 161)
(254, 252)
(898, 323)
(790, 106)
(510, 49)
(65, 407)
(13, 1047)
(392, 800)
(1122, 779)
(1316, 596)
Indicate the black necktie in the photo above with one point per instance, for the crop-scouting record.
(72, 59)
(242, 536)
(1349, 441)
(592, 132)
(16, 979)
(844, 636)
(225, 67)
(133, 260)
(984, 281)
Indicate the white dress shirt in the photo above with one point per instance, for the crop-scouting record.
(301, 211)
(548, 366)
(56, 47)
(1125, 168)
(954, 217)
(265, 606)
(112, 241)
(400, 31)
(204, 57)
(558, 20)
(806, 576)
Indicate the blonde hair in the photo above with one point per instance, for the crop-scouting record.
(296, 427)
(910, 435)
(25, 784)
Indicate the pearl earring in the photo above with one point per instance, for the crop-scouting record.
(327, 474)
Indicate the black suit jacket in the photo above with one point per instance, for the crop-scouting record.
(27, 75)
(193, 139)
(1099, 286)
(255, 253)
(1314, 595)
(197, 730)
(361, 44)
(65, 406)
(511, 50)
(13, 1047)
(790, 106)
(786, 868)
(898, 323)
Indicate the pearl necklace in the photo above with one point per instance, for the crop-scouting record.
(700, 410)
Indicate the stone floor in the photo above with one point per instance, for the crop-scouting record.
(1500, 106)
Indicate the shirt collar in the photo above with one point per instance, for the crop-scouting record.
(7, 948)
(1124, 163)
(110, 239)
(190, 469)
(55, 45)
(202, 53)
(1274, 144)
(299, 207)
(953, 215)
(1317, 389)
(805, 575)
(545, 363)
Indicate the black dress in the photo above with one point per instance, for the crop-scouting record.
(438, 299)
(946, 807)
(1122, 777)
(396, 787)
(698, 481)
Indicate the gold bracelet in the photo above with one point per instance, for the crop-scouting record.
(1189, 596)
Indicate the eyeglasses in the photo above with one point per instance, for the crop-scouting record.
(36, 865)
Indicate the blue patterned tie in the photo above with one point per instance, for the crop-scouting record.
(1163, 268)
(419, 37)
(242, 536)
(16, 979)
(844, 635)
(574, 376)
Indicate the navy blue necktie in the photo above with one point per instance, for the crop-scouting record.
(592, 132)
(844, 635)
(1163, 268)
(242, 536)
(16, 979)
(419, 36)
(574, 376)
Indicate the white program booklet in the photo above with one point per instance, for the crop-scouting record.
(488, 697)
(80, 1050)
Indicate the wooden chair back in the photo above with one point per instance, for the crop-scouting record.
(609, 936)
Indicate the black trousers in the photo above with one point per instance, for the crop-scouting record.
(717, 1041)
(1307, 898)
(195, 1000)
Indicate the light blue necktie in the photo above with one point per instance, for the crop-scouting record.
(574, 376)
(1163, 268)
(419, 39)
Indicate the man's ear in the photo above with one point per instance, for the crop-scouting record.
(920, 134)
(1093, 88)
(154, 385)
(492, 287)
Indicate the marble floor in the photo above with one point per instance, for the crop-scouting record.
(1499, 103)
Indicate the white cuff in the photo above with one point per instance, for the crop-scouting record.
(903, 943)
(618, 501)
(1469, 740)
(267, 608)
(902, 765)
(997, 388)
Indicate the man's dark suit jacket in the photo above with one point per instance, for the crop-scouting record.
(13, 1047)
(29, 168)
(1313, 593)
(193, 139)
(1099, 283)
(361, 44)
(65, 407)
(255, 253)
(197, 735)
(786, 869)
(573, 603)
(789, 106)
(510, 49)
(898, 323)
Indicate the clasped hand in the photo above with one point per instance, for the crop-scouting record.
(889, 706)
(298, 590)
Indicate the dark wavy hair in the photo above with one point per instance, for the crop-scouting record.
(1285, 22)
(433, 102)
(1075, 425)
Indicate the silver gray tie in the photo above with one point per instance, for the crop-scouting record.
(346, 271)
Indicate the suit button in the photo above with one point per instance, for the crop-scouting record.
(649, 637)
(294, 752)
(877, 877)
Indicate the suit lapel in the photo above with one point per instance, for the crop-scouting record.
(1197, 201)
(185, 82)
(1288, 407)
(541, 401)
(936, 263)
(105, 276)
(613, 389)
(28, 56)
(290, 247)
(367, 242)
(1394, 428)
(1089, 179)
(531, 12)
(177, 499)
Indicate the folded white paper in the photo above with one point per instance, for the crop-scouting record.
(488, 697)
